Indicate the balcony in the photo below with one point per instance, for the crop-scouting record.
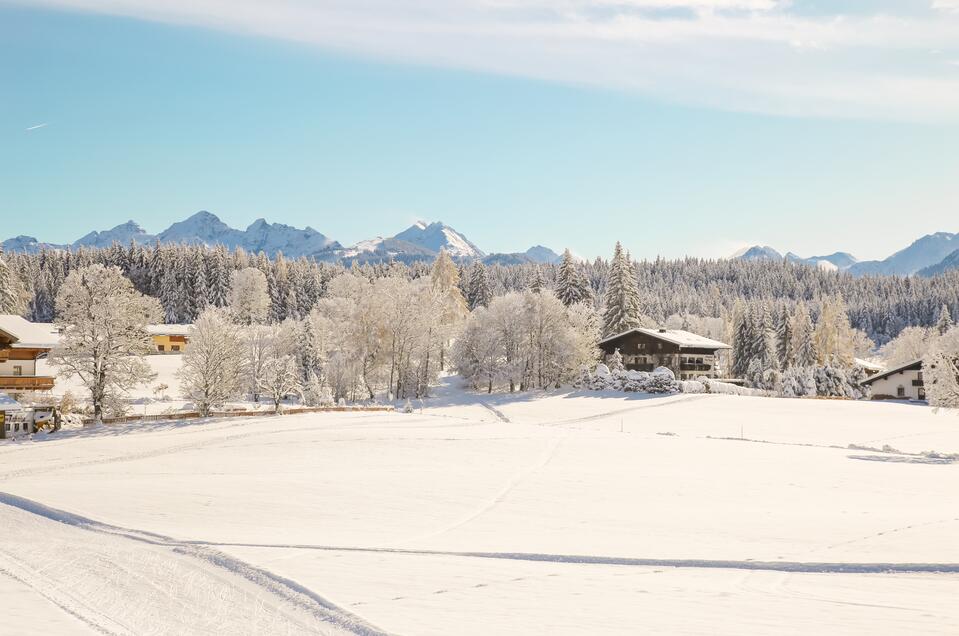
(687, 366)
(25, 383)
(917, 383)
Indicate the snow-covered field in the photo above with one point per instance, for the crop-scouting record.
(568, 513)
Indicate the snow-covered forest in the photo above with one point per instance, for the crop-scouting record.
(186, 279)
(330, 333)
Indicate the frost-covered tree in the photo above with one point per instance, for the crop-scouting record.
(480, 293)
(621, 310)
(104, 324)
(279, 376)
(784, 338)
(945, 321)
(445, 279)
(941, 371)
(571, 286)
(912, 343)
(833, 335)
(803, 347)
(11, 290)
(743, 339)
(798, 382)
(213, 366)
(249, 297)
(538, 282)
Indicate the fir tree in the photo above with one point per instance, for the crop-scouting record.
(784, 340)
(945, 322)
(803, 347)
(480, 293)
(621, 300)
(571, 285)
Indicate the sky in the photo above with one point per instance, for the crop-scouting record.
(679, 127)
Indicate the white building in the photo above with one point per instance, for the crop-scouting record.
(15, 421)
(901, 383)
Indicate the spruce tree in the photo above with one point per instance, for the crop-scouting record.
(621, 300)
(803, 347)
(945, 322)
(571, 284)
(480, 293)
(11, 292)
(784, 344)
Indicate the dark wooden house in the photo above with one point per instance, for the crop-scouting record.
(688, 355)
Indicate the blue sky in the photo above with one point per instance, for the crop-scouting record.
(676, 126)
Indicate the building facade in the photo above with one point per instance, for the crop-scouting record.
(686, 354)
(170, 338)
(22, 344)
(901, 383)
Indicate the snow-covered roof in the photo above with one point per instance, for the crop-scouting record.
(7, 403)
(169, 330)
(869, 366)
(678, 337)
(29, 335)
(915, 365)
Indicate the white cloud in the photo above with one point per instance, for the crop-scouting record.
(756, 55)
(29, 128)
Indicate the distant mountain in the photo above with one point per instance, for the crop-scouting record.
(925, 252)
(123, 234)
(437, 236)
(842, 260)
(541, 254)
(28, 244)
(758, 252)
(535, 254)
(949, 262)
(378, 250)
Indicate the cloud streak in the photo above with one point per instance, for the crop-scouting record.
(29, 128)
(767, 56)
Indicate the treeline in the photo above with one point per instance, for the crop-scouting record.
(186, 279)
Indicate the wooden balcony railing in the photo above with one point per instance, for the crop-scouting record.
(25, 383)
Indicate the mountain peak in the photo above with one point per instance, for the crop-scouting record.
(436, 236)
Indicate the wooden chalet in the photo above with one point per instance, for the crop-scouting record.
(22, 343)
(686, 354)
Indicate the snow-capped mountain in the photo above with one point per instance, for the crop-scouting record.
(925, 252)
(758, 252)
(29, 245)
(535, 254)
(436, 236)
(832, 262)
(123, 234)
(542, 254)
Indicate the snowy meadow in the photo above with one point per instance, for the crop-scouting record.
(557, 512)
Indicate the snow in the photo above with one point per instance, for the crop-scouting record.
(169, 330)
(677, 337)
(541, 513)
(29, 334)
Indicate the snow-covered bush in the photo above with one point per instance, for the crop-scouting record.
(837, 381)
(692, 386)
(798, 382)
(661, 380)
(615, 361)
(941, 371)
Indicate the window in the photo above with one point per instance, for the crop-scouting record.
(160, 348)
(922, 393)
(17, 369)
(659, 345)
(174, 347)
(901, 391)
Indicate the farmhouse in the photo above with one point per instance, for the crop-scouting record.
(170, 338)
(901, 383)
(14, 419)
(686, 354)
(22, 343)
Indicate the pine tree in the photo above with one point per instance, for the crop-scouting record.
(804, 350)
(945, 322)
(742, 329)
(11, 292)
(538, 282)
(621, 300)
(784, 344)
(571, 284)
(480, 293)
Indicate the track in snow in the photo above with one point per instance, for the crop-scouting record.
(124, 581)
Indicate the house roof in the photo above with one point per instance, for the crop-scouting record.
(915, 365)
(7, 403)
(870, 366)
(169, 330)
(29, 335)
(684, 339)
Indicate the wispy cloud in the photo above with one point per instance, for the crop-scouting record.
(771, 56)
(43, 125)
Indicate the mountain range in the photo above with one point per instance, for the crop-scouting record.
(420, 241)
(927, 256)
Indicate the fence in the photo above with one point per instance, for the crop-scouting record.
(189, 415)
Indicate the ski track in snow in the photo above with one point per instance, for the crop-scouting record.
(488, 505)
(601, 416)
(292, 598)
